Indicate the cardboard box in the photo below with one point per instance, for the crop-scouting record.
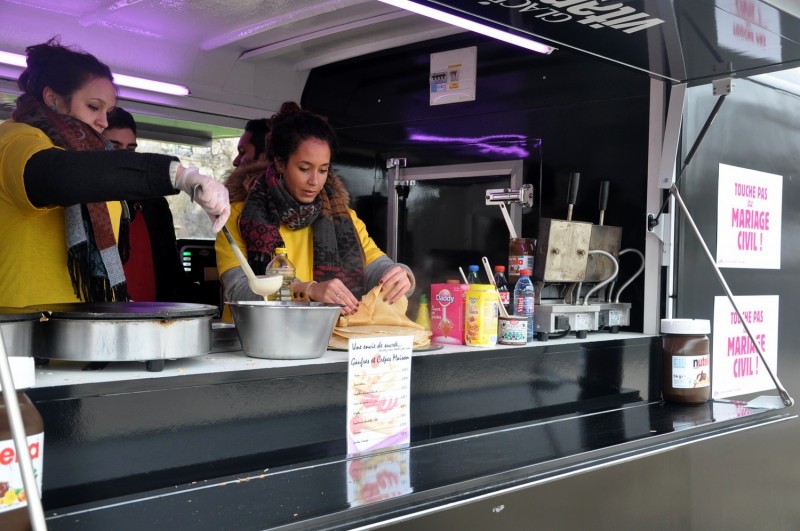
(448, 305)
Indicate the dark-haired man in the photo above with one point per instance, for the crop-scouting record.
(149, 252)
(252, 143)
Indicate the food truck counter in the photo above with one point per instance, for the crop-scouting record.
(225, 441)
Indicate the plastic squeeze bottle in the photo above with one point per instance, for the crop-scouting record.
(424, 313)
(280, 265)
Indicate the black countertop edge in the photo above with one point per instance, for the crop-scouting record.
(520, 472)
(436, 499)
(79, 390)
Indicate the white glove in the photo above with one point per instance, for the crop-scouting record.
(206, 192)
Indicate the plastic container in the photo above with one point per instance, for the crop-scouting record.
(13, 498)
(472, 276)
(524, 299)
(502, 287)
(520, 256)
(513, 330)
(480, 326)
(686, 360)
(281, 265)
(424, 312)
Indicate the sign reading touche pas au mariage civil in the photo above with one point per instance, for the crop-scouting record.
(749, 210)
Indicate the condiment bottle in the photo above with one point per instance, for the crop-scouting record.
(280, 265)
(424, 313)
(687, 362)
(13, 504)
(520, 256)
(525, 298)
(502, 287)
(472, 276)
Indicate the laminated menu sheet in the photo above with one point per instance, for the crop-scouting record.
(379, 391)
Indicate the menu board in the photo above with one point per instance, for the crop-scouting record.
(378, 389)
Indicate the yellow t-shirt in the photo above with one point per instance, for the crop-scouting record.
(33, 241)
(299, 246)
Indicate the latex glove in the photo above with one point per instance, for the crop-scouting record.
(211, 195)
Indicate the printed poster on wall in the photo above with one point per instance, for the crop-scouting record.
(453, 75)
(735, 365)
(749, 218)
(378, 393)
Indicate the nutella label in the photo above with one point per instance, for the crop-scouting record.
(690, 372)
(12, 490)
(518, 263)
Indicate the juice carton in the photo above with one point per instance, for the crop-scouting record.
(448, 306)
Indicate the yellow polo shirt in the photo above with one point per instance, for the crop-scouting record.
(299, 246)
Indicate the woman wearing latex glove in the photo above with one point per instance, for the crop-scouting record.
(206, 192)
(300, 204)
(60, 188)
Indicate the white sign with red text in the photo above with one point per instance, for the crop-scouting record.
(749, 218)
(735, 365)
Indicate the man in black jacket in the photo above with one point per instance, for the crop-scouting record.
(148, 249)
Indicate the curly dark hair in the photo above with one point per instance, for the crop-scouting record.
(61, 68)
(291, 126)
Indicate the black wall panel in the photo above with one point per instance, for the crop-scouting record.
(591, 116)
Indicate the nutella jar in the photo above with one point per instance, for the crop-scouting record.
(520, 256)
(13, 498)
(687, 360)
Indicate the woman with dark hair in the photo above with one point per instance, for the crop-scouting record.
(60, 184)
(300, 204)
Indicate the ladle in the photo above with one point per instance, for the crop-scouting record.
(261, 285)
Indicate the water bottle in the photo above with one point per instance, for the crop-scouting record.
(472, 276)
(502, 287)
(524, 299)
(280, 265)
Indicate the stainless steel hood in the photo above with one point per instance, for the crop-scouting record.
(690, 41)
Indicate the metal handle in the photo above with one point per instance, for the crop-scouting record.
(603, 201)
(35, 510)
(572, 193)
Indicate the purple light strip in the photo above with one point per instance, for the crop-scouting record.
(14, 59)
(485, 144)
(477, 27)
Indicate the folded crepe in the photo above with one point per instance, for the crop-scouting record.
(375, 318)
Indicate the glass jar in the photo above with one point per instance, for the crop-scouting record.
(686, 374)
(520, 256)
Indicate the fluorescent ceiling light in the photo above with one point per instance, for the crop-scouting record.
(472, 26)
(15, 59)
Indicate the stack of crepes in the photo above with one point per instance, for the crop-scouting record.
(376, 318)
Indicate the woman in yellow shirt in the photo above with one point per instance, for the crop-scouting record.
(299, 203)
(60, 185)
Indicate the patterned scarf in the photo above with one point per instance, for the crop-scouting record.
(337, 247)
(92, 257)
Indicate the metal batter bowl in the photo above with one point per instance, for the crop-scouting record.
(284, 330)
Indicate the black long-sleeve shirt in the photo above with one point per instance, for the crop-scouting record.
(63, 178)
